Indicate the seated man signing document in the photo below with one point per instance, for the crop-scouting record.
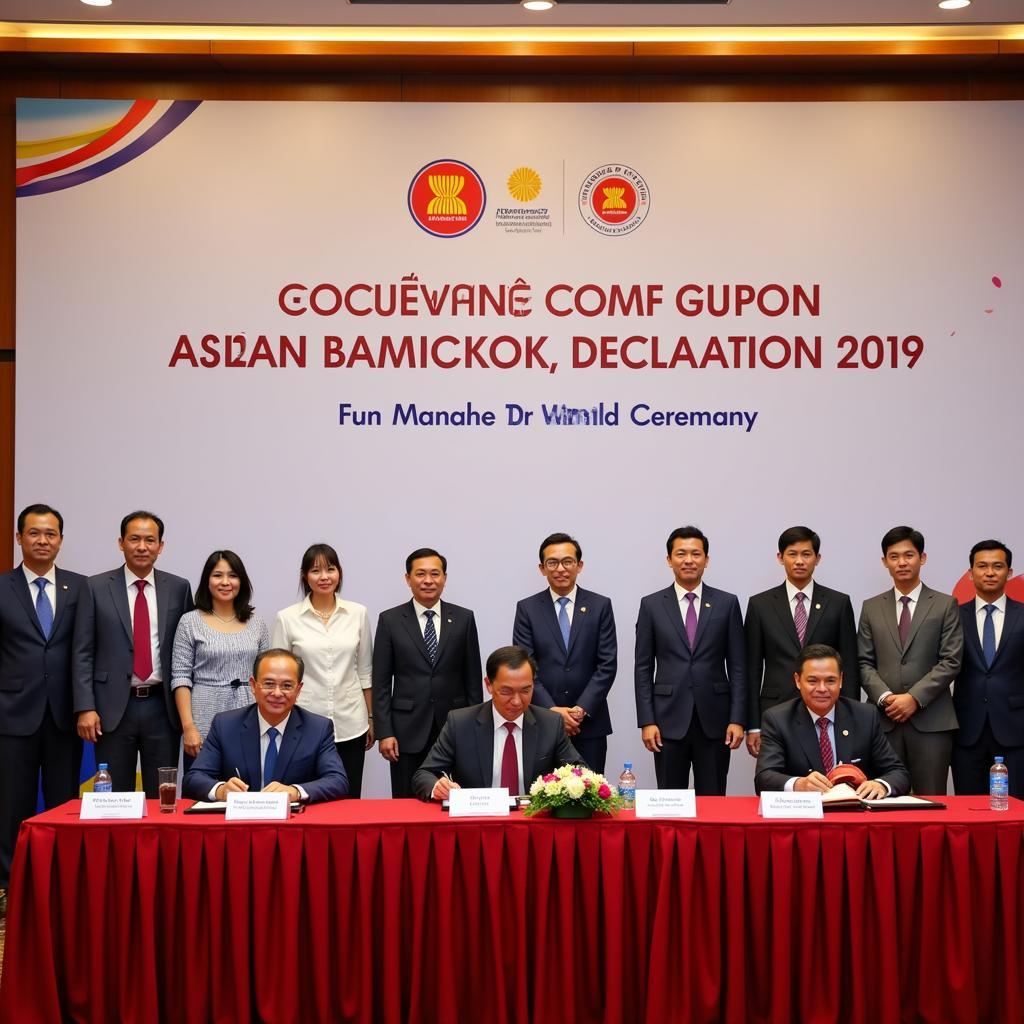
(804, 739)
(271, 745)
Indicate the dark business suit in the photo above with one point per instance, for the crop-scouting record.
(465, 749)
(773, 646)
(412, 696)
(989, 702)
(306, 756)
(132, 727)
(37, 723)
(691, 695)
(790, 746)
(925, 670)
(580, 675)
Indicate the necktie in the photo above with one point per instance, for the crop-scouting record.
(904, 621)
(827, 758)
(142, 660)
(800, 618)
(509, 764)
(988, 636)
(45, 612)
(691, 620)
(270, 761)
(563, 620)
(430, 636)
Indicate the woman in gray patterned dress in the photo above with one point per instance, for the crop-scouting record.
(214, 649)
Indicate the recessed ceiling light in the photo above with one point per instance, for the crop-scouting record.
(538, 5)
(98, 3)
(954, 5)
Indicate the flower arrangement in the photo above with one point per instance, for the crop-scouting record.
(572, 791)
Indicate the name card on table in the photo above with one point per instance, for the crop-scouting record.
(258, 807)
(666, 803)
(790, 805)
(113, 805)
(468, 803)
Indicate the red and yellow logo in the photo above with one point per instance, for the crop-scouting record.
(447, 198)
(614, 199)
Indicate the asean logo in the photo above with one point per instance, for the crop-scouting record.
(614, 199)
(447, 198)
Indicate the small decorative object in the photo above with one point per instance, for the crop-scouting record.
(848, 773)
(572, 792)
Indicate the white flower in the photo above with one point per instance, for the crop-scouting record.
(574, 787)
(537, 787)
(553, 788)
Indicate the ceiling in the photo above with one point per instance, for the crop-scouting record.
(343, 13)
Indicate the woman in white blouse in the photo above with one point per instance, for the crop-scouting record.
(332, 636)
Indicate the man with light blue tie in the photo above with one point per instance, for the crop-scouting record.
(38, 605)
(989, 691)
(272, 745)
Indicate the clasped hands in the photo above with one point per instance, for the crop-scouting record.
(900, 706)
(572, 718)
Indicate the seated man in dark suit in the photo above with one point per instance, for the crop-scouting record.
(502, 742)
(804, 739)
(271, 745)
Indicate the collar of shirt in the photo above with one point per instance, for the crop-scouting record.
(555, 598)
(50, 577)
(307, 605)
(265, 725)
(130, 578)
(420, 609)
(681, 593)
(831, 716)
(792, 591)
(980, 603)
(914, 595)
(499, 722)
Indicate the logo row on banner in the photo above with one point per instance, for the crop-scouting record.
(447, 198)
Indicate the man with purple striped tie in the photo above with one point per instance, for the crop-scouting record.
(782, 620)
(689, 672)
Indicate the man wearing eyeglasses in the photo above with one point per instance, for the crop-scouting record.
(271, 745)
(571, 634)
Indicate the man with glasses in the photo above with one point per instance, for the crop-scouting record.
(271, 745)
(571, 634)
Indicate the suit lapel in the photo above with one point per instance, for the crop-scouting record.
(446, 621)
(65, 589)
(162, 601)
(808, 736)
(969, 623)
(780, 603)
(1014, 616)
(21, 591)
(815, 610)
(530, 747)
(412, 626)
(844, 734)
(672, 611)
(924, 609)
(889, 614)
(485, 743)
(549, 614)
(289, 744)
(580, 611)
(709, 601)
(250, 734)
(119, 595)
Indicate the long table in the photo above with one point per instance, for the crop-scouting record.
(383, 911)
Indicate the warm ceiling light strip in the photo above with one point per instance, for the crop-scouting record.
(434, 34)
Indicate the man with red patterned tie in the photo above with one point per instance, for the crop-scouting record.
(501, 743)
(803, 740)
(121, 667)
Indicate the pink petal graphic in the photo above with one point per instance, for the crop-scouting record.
(997, 282)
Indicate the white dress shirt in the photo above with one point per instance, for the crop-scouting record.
(792, 591)
(998, 617)
(130, 579)
(500, 735)
(50, 590)
(338, 659)
(914, 595)
(421, 617)
(570, 606)
(681, 593)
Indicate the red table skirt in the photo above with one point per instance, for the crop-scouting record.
(386, 911)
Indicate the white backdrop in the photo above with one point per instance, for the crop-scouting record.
(903, 214)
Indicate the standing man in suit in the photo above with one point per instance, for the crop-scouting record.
(690, 672)
(38, 606)
(989, 692)
(426, 661)
(803, 740)
(501, 743)
(122, 661)
(910, 644)
(781, 621)
(277, 746)
(571, 634)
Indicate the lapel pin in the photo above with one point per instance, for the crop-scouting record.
(449, 620)
(817, 607)
(707, 604)
(846, 732)
(64, 586)
(583, 609)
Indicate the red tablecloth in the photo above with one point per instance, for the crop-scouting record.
(387, 911)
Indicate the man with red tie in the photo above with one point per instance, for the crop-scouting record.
(124, 633)
(501, 743)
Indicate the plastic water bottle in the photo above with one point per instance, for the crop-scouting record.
(627, 786)
(103, 783)
(998, 787)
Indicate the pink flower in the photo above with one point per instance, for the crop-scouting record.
(550, 778)
(587, 783)
(577, 770)
(604, 792)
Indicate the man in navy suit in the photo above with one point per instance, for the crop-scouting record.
(989, 691)
(783, 620)
(426, 661)
(571, 634)
(275, 746)
(38, 605)
(690, 672)
(123, 639)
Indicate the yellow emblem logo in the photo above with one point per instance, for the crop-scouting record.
(524, 184)
(446, 189)
(613, 199)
